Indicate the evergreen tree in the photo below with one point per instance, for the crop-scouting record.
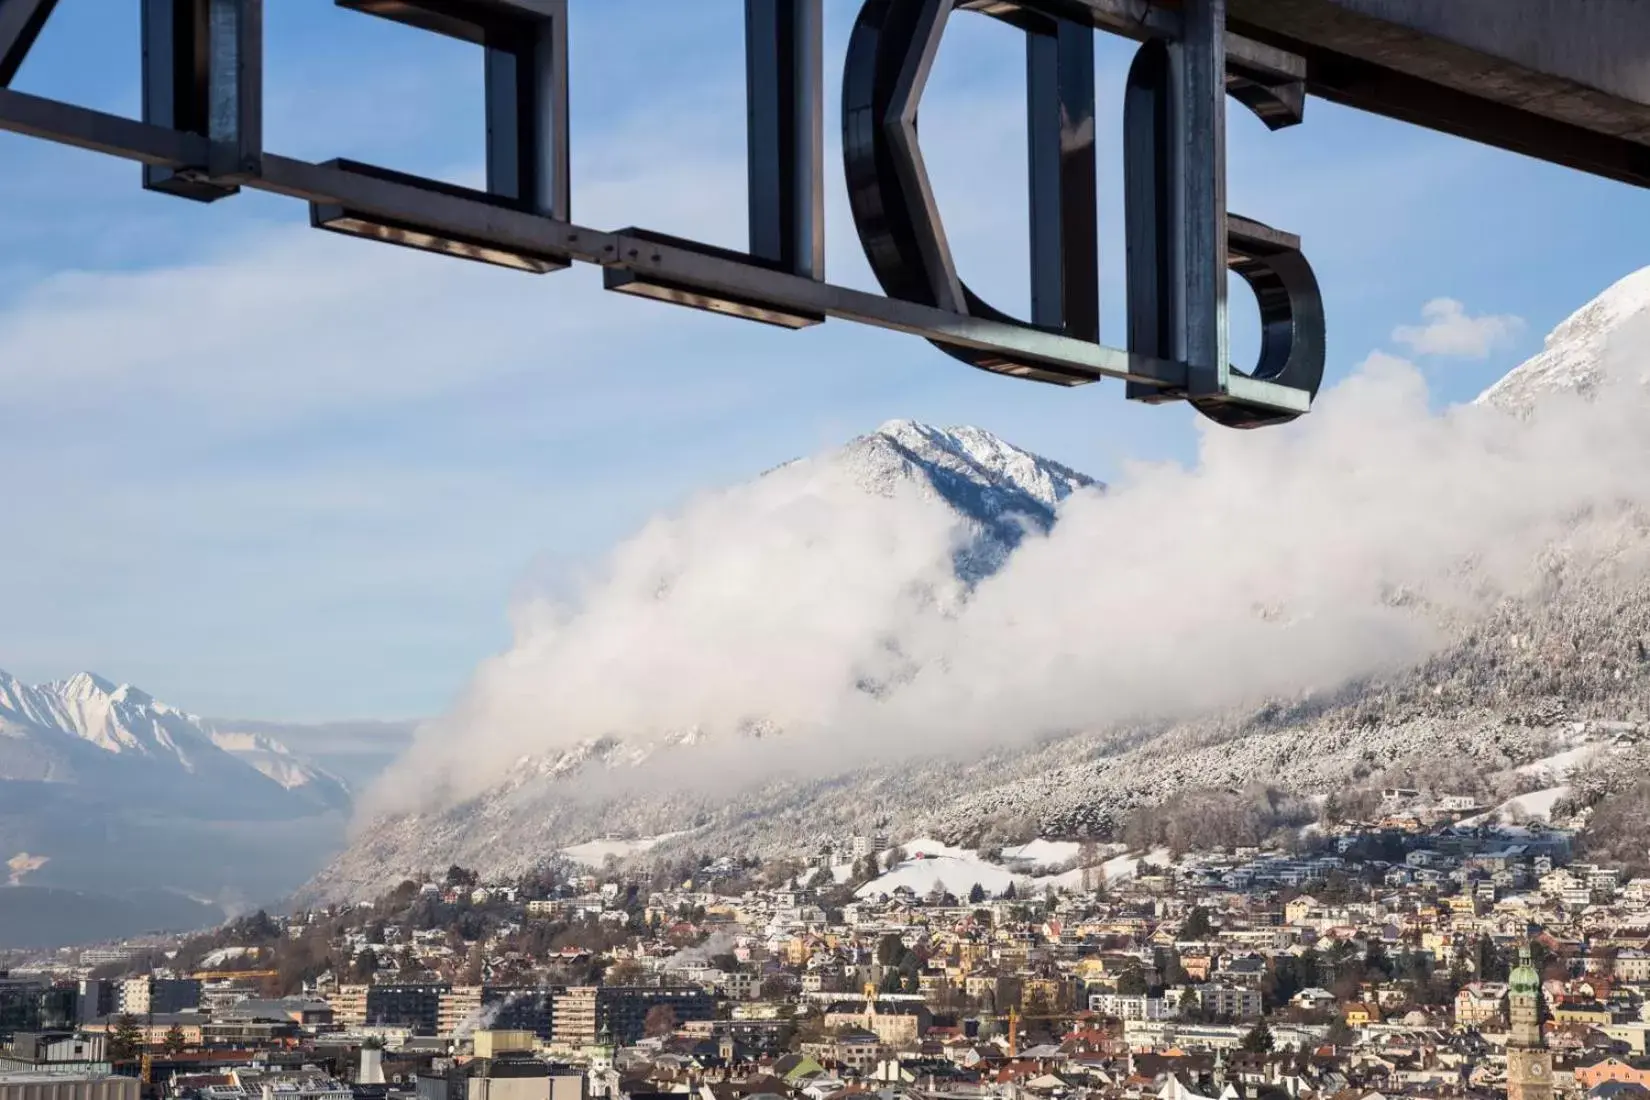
(1281, 982)
(1376, 960)
(1197, 926)
(1310, 969)
(126, 1044)
(1489, 961)
(976, 894)
(1259, 1039)
(1191, 1005)
(365, 965)
(174, 1042)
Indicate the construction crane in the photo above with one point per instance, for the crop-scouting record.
(1014, 1017)
(147, 1073)
(231, 975)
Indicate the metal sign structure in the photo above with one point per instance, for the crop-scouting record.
(1510, 72)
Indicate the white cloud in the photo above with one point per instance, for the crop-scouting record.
(1265, 567)
(1448, 330)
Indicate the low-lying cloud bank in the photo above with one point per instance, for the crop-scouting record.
(1277, 562)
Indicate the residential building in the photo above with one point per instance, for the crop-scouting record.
(1479, 1003)
(349, 1006)
(897, 1024)
(413, 1005)
(1236, 1001)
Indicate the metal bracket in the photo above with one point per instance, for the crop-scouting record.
(203, 74)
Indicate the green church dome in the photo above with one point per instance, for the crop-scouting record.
(1524, 978)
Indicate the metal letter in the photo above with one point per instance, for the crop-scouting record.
(785, 108)
(525, 45)
(525, 50)
(1292, 319)
(890, 54)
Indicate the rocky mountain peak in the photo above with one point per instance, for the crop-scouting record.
(1577, 354)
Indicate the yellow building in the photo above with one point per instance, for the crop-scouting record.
(897, 1025)
(491, 1044)
(1591, 1014)
(1362, 1014)
(1042, 995)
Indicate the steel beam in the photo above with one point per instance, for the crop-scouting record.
(114, 135)
(477, 218)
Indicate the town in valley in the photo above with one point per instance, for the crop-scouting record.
(1425, 949)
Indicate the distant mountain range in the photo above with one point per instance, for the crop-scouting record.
(112, 801)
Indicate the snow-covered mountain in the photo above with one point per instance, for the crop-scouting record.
(978, 474)
(278, 763)
(1579, 352)
(104, 788)
(1002, 490)
(87, 730)
(1499, 684)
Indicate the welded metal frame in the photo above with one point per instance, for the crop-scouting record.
(20, 24)
(201, 138)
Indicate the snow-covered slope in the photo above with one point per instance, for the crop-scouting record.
(1577, 354)
(280, 764)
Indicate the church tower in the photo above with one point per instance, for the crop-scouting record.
(1529, 1062)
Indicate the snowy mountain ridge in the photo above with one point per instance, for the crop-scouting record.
(116, 719)
(1575, 358)
(123, 721)
(1004, 491)
(102, 787)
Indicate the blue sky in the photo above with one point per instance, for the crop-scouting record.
(264, 471)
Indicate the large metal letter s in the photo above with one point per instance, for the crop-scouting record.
(1270, 261)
